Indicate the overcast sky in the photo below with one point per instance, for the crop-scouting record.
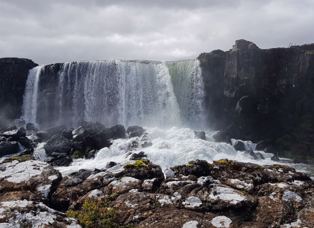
(50, 31)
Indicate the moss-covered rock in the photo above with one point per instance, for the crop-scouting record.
(20, 158)
(96, 213)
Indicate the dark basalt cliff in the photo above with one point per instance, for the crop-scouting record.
(13, 76)
(262, 94)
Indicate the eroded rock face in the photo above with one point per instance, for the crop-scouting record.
(13, 76)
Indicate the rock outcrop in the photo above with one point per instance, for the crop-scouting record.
(262, 94)
(13, 76)
(199, 194)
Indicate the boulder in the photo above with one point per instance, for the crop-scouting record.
(197, 168)
(30, 127)
(92, 135)
(116, 132)
(58, 144)
(135, 131)
(27, 213)
(7, 148)
(200, 135)
(31, 180)
(239, 145)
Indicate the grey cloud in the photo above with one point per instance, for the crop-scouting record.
(56, 31)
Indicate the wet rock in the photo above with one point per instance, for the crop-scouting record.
(135, 131)
(138, 156)
(222, 136)
(30, 127)
(7, 148)
(116, 132)
(111, 164)
(59, 160)
(197, 168)
(93, 136)
(239, 145)
(200, 135)
(42, 136)
(58, 144)
(15, 134)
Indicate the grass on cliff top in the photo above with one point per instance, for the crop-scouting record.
(96, 213)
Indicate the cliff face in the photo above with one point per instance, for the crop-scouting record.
(13, 76)
(262, 94)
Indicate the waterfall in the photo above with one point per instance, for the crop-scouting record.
(31, 95)
(188, 85)
(110, 92)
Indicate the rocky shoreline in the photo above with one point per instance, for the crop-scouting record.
(138, 193)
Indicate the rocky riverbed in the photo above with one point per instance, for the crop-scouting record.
(35, 191)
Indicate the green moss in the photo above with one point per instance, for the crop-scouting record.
(20, 158)
(190, 164)
(224, 162)
(137, 164)
(78, 154)
(96, 213)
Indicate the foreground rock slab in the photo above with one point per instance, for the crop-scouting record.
(137, 194)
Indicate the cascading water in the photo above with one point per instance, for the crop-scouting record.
(110, 92)
(188, 85)
(31, 95)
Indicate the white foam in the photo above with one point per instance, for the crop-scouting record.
(170, 147)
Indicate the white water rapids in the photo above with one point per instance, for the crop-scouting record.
(170, 147)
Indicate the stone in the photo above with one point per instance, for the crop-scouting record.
(239, 145)
(221, 221)
(59, 145)
(31, 175)
(15, 213)
(7, 148)
(200, 135)
(135, 131)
